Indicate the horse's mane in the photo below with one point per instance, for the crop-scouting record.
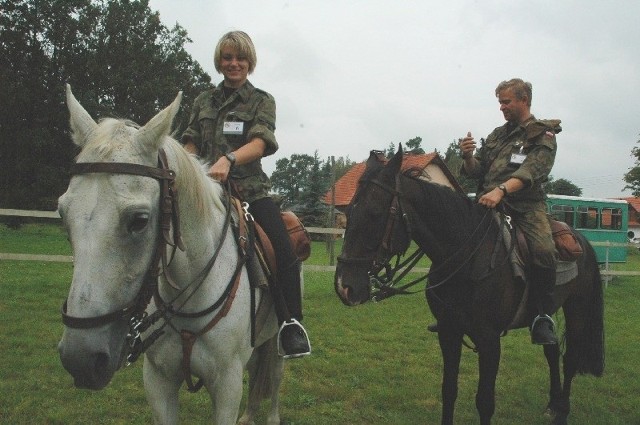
(201, 193)
(458, 209)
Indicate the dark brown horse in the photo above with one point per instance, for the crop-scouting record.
(472, 287)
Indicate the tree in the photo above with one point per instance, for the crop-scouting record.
(413, 146)
(561, 187)
(313, 210)
(632, 177)
(341, 166)
(454, 163)
(291, 178)
(118, 57)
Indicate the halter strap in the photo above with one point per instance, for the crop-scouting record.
(169, 215)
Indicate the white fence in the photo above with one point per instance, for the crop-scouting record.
(606, 271)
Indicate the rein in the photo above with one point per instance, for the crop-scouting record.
(135, 312)
(169, 214)
(386, 285)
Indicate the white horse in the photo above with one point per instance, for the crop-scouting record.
(113, 215)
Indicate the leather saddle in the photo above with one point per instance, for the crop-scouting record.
(567, 246)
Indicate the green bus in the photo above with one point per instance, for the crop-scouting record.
(601, 221)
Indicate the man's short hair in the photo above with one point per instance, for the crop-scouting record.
(520, 88)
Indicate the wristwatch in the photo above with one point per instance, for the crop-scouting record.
(503, 188)
(231, 157)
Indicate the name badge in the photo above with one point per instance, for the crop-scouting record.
(233, 127)
(517, 158)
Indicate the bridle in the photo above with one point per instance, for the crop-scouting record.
(385, 284)
(381, 273)
(135, 312)
(169, 218)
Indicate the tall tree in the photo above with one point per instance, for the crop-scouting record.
(119, 59)
(413, 145)
(291, 178)
(314, 211)
(561, 187)
(632, 177)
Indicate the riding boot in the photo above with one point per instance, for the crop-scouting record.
(292, 337)
(543, 281)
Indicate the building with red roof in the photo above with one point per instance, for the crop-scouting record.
(634, 217)
(433, 169)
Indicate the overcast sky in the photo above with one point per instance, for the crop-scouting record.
(351, 76)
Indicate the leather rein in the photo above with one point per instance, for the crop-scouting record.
(385, 285)
(135, 311)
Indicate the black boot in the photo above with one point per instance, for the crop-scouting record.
(543, 281)
(293, 339)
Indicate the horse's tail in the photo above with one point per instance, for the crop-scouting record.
(266, 366)
(590, 356)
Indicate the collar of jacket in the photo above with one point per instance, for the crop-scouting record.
(244, 91)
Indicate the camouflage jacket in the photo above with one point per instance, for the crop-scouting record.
(536, 140)
(256, 109)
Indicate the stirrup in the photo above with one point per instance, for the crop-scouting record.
(281, 353)
(544, 318)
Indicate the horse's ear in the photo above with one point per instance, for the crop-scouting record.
(395, 163)
(153, 132)
(80, 121)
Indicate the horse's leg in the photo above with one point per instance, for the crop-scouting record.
(451, 349)
(253, 399)
(161, 392)
(226, 391)
(488, 364)
(552, 354)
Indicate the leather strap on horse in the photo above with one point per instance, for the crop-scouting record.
(189, 338)
(169, 208)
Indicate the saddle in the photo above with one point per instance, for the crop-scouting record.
(567, 246)
(262, 247)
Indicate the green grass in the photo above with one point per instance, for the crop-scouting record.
(373, 364)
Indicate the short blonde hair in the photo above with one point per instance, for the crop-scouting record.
(239, 41)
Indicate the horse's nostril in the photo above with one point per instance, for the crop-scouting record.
(101, 363)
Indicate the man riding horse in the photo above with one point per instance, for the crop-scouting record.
(511, 166)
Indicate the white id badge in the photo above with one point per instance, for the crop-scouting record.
(517, 158)
(233, 127)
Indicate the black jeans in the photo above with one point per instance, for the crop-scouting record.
(267, 215)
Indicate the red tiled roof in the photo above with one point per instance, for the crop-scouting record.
(634, 203)
(346, 185)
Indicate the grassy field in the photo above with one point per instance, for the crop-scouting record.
(373, 364)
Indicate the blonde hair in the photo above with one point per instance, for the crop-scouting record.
(239, 41)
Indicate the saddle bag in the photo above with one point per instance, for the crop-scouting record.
(300, 239)
(568, 247)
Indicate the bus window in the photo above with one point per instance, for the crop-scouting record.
(587, 218)
(611, 218)
(563, 213)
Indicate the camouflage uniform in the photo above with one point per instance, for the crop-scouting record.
(535, 139)
(249, 105)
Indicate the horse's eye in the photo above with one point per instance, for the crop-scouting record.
(139, 222)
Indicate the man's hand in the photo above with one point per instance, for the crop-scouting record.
(491, 199)
(467, 146)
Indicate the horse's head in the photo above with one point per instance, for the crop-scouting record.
(375, 230)
(112, 219)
